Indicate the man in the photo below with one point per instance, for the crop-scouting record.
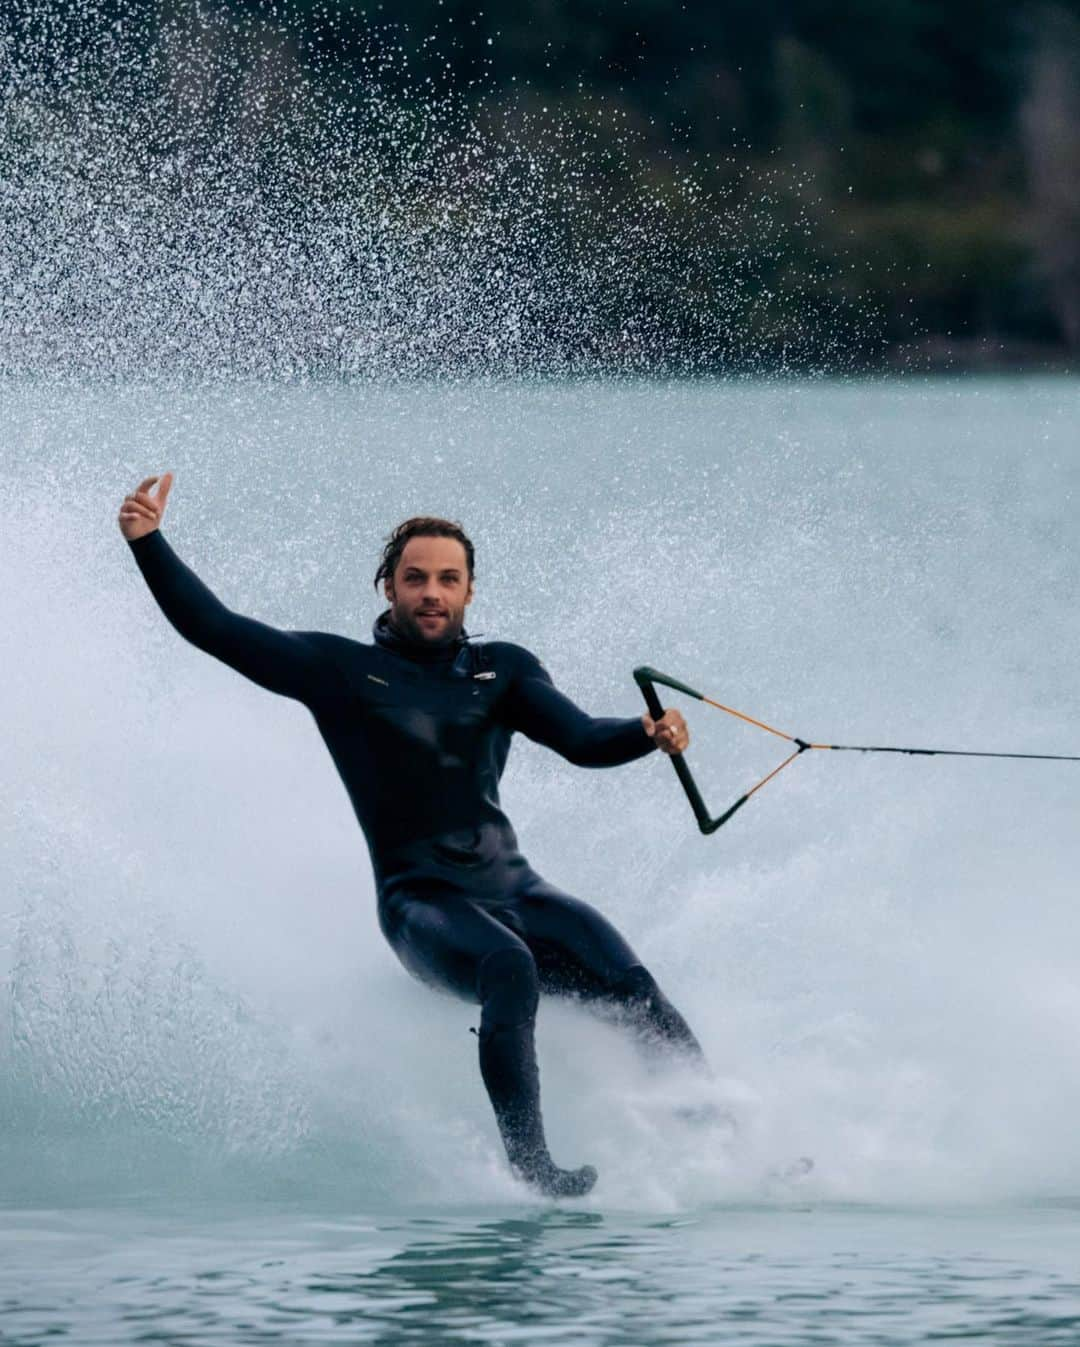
(419, 727)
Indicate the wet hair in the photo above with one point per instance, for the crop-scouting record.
(420, 526)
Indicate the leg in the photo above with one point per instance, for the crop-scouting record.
(450, 942)
(578, 951)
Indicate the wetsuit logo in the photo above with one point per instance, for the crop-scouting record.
(490, 673)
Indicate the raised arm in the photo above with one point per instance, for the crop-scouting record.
(294, 664)
(537, 708)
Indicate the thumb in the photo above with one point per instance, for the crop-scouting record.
(649, 723)
(164, 488)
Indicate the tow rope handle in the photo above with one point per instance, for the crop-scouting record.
(646, 678)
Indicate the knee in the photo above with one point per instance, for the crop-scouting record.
(636, 986)
(509, 988)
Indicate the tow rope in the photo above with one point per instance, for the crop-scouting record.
(646, 679)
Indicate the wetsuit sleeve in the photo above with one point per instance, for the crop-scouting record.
(295, 664)
(537, 708)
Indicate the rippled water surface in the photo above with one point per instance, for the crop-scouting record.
(789, 1275)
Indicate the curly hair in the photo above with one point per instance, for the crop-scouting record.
(420, 526)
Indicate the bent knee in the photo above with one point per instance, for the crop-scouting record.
(509, 988)
(636, 986)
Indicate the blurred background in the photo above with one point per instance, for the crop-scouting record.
(759, 184)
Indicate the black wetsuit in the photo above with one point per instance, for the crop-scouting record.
(420, 736)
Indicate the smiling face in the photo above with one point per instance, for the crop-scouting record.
(430, 590)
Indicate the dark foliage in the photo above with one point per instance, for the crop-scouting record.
(923, 156)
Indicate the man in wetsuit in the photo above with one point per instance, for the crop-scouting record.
(419, 727)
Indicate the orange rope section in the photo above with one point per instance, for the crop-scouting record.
(766, 779)
(759, 723)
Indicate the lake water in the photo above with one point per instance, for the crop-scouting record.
(228, 1115)
(780, 1275)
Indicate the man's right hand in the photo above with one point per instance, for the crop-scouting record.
(141, 512)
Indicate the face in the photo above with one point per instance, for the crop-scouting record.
(430, 590)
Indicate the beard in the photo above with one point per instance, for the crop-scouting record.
(443, 632)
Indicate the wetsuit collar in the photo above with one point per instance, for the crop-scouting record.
(389, 638)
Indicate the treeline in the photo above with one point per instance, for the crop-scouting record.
(905, 175)
(935, 142)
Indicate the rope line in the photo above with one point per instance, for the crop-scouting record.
(766, 779)
(950, 753)
(750, 720)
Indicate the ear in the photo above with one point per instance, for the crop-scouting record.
(469, 594)
(388, 589)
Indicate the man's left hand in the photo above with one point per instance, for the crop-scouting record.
(669, 732)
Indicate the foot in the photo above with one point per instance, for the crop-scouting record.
(552, 1181)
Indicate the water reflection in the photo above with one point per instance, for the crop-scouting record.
(525, 1277)
(765, 1278)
